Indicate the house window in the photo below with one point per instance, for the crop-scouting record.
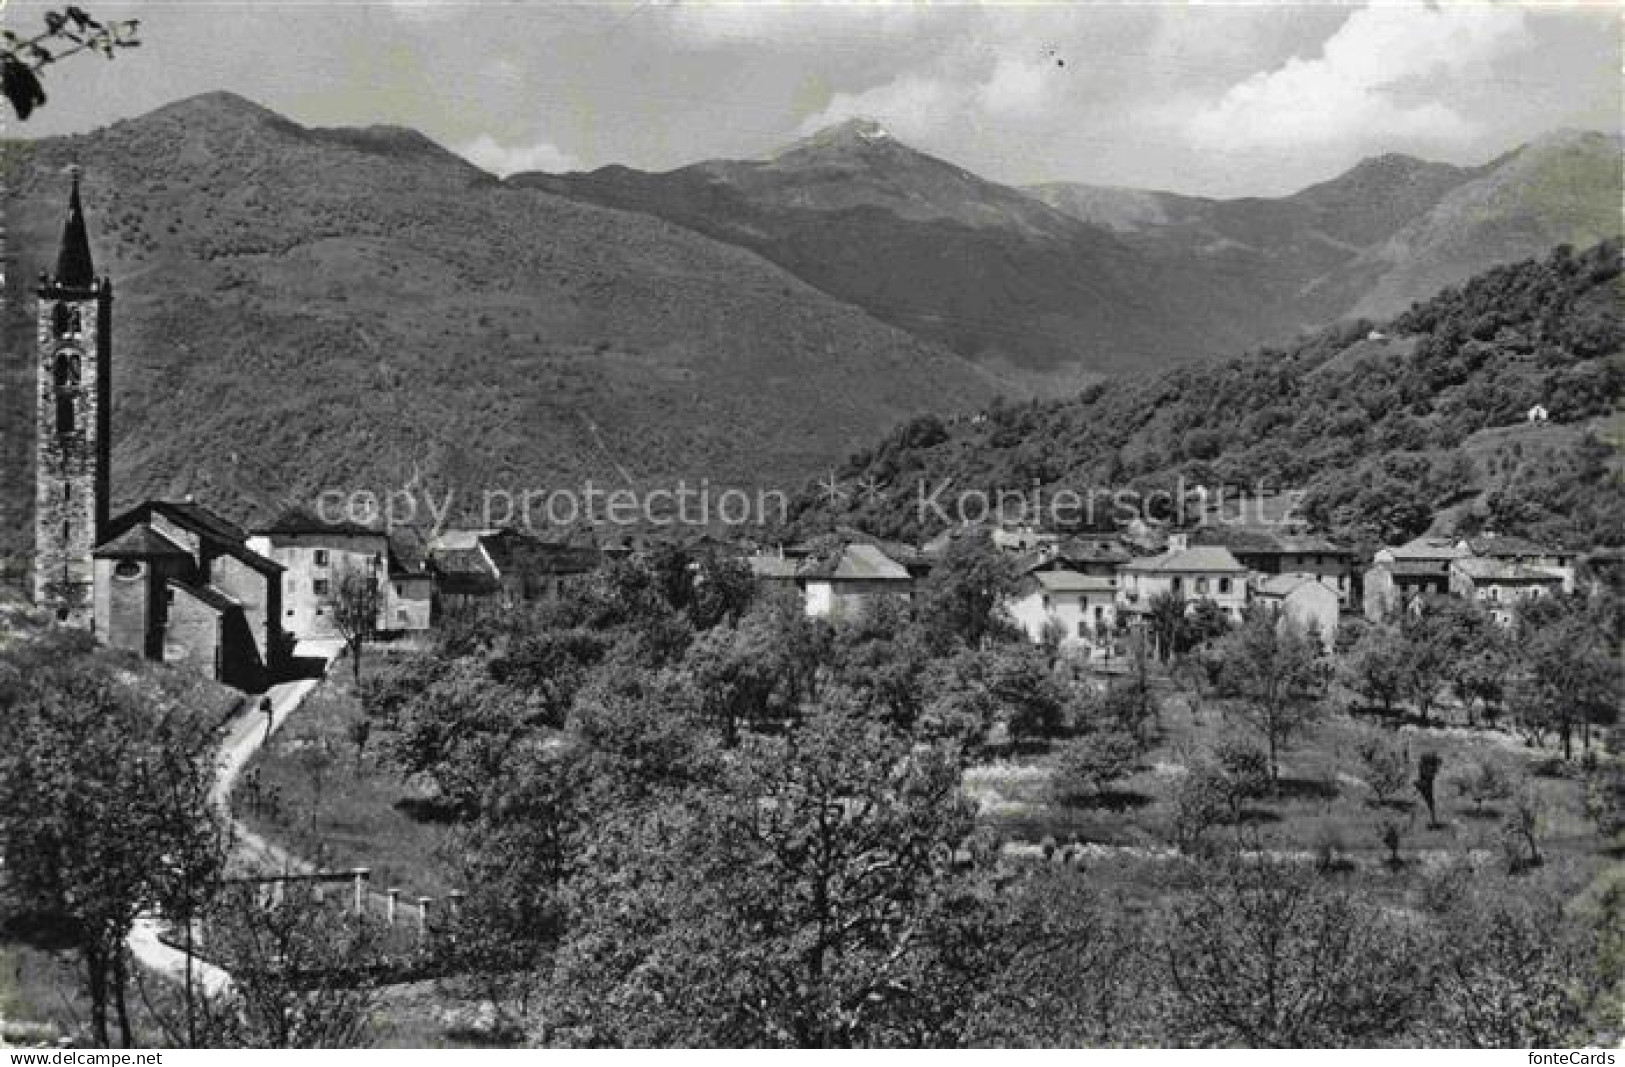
(1178, 584)
(1046, 601)
(397, 588)
(1083, 627)
(1224, 585)
(321, 557)
(1100, 612)
(320, 586)
(1201, 585)
(127, 568)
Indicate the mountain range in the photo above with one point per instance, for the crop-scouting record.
(1049, 284)
(302, 309)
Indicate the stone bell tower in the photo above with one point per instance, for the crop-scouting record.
(72, 439)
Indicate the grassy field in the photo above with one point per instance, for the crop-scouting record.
(1324, 799)
(311, 792)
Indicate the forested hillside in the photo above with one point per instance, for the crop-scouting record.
(1385, 425)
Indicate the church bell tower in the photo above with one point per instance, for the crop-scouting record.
(72, 440)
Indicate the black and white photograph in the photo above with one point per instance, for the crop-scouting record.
(781, 524)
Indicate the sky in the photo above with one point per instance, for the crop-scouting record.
(1221, 100)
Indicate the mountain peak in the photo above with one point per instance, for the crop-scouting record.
(853, 135)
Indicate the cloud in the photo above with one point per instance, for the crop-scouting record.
(502, 160)
(1384, 75)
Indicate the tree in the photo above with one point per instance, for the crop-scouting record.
(67, 32)
(1425, 638)
(1568, 679)
(1091, 763)
(1513, 971)
(808, 902)
(1385, 766)
(104, 812)
(305, 971)
(963, 598)
(355, 603)
(1375, 666)
(1278, 676)
(1427, 777)
(1485, 780)
(1264, 955)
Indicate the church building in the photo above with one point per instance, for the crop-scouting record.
(168, 580)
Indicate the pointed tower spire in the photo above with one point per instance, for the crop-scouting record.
(74, 269)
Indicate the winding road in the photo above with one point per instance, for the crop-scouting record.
(245, 734)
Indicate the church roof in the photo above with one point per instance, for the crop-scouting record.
(140, 542)
(74, 269)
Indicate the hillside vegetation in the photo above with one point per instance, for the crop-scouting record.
(1385, 427)
(303, 309)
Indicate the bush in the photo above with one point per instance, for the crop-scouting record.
(1091, 763)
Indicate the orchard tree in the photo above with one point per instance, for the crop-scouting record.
(963, 598)
(809, 901)
(355, 603)
(1277, 675)
(1263, 954)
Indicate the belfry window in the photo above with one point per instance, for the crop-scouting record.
(66, 388)
(66, 320)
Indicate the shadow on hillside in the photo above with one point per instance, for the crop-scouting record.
(431, 810)
(1306, 789)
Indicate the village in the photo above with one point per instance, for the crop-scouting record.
(1335, 763)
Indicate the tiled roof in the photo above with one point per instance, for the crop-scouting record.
(1502, 546)
(773, 566)
(219, 532)
(860, 562)
(1284, 585)
(1503, 573)
(1093, 550)
(1429, 548)
(1256, 540)
(207, 594)
(140, 542)
(1073, 582)
(302, 521)
(1197, 559)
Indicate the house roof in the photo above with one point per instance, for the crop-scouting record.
(1501, 572)
(217, 531)
(208, 595)
(523, 555)
(1429, 548)
(140, 541)
(1281, 586)
(1093, 550)
(1073, 582)
(860, 561)
(1257, 540)
(773, 566)
(302, 521)
(1197, 559)
(1503, 546)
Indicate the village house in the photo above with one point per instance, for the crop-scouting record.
(1270, 551)
(1525, 553)
(316, 554)
(1499, 586)
(1203, 572)
(844, 584)
(1398, 575)
(1309, 603)
(1079, 609)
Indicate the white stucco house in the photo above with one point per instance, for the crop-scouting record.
(1080, 607)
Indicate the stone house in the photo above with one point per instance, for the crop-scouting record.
(1309, 603)
(1499, 586)
(845, 584)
